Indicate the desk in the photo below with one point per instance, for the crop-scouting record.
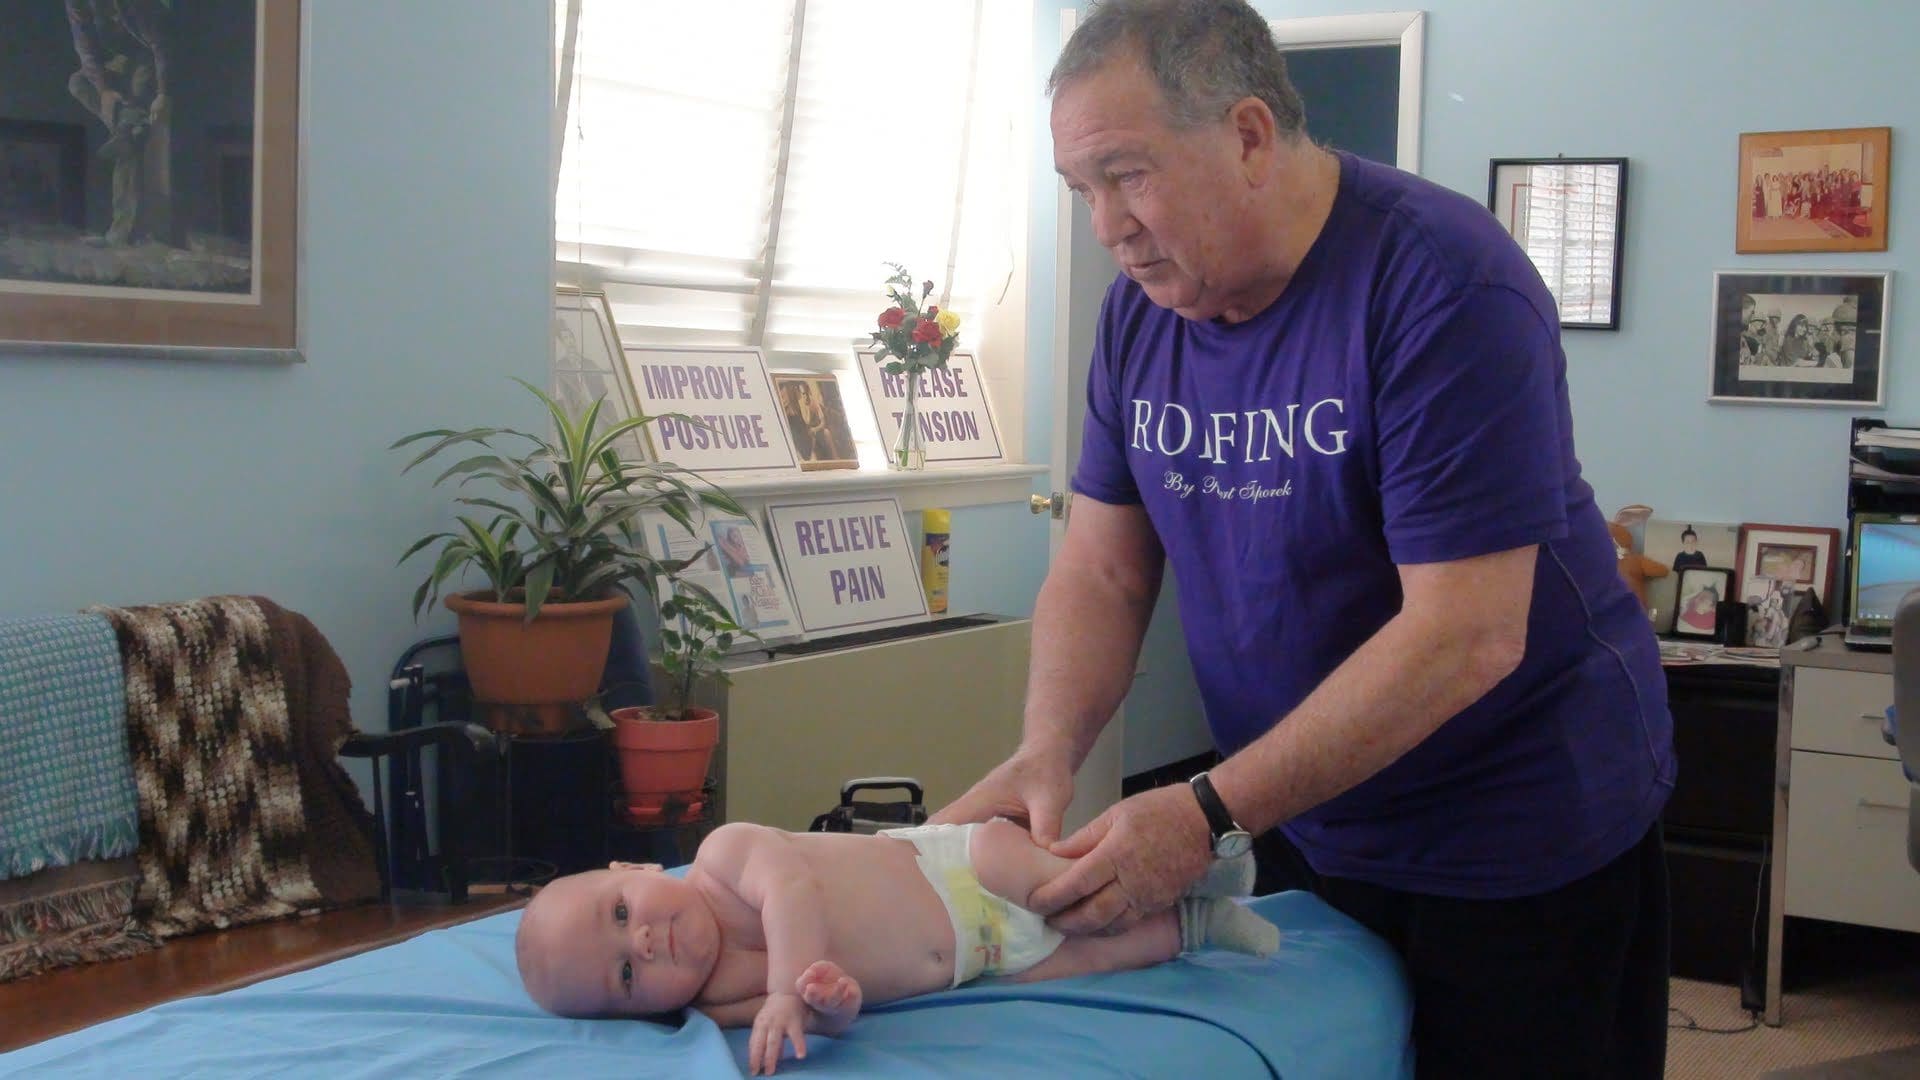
(1839, 801)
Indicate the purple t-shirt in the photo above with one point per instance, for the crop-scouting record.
(1403, 401)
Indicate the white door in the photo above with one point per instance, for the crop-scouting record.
(1161, 720)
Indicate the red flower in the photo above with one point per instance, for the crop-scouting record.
(927, 331)
(933, 310)
(891, 318)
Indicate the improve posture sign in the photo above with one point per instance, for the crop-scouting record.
(729, 419)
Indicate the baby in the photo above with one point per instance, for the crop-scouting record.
(793, 932)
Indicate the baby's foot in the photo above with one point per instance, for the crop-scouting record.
(1226, 877)
(1220, 922)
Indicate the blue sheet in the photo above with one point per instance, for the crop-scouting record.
(1333, 1003)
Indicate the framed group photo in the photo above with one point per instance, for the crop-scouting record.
(1569, 216)
(1813, 190)
(1800, 337)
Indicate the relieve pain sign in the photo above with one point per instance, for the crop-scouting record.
(728, 418)
(851, 565)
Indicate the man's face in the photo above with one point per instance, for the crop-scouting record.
(1169, 204)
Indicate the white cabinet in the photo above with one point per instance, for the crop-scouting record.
(1840, 801)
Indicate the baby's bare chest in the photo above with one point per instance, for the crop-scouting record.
(884, 923)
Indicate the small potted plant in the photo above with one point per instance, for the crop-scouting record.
(558, 553)
(665, 749)
(912, 340)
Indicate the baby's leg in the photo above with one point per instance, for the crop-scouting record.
(1010, 865)
(1151, 941)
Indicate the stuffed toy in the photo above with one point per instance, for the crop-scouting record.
(1635, 567)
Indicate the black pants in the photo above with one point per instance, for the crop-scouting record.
(1569, 983)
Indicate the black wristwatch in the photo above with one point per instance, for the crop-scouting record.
(1230, 841)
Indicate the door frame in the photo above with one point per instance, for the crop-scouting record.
(1407, 29)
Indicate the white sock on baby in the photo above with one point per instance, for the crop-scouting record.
(1220, 922)
(1226, 877)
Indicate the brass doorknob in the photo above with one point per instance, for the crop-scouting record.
(1052, 503)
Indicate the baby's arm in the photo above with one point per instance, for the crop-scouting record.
(761, 866)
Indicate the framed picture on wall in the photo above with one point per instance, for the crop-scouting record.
(1813, 190)
(1797, 556)
(183, 238)
(1799, 337)
(1569, 216)
(1700, 590)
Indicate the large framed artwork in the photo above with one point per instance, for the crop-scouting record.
(1800, 337)
(1569, 216)
(177, 226)
(1813, 190)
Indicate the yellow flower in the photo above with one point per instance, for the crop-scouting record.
(949, 322)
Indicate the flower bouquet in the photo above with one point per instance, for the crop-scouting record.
(912, 340)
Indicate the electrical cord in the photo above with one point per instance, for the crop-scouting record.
(1688, 1023)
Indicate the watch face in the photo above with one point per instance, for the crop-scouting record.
(1232, 845)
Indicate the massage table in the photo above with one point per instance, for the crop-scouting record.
(1333, 1003)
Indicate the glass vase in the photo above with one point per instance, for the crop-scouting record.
(909, 452)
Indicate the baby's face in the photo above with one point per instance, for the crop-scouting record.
(621, 942)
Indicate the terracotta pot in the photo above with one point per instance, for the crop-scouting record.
(531, 674)
(663, 761)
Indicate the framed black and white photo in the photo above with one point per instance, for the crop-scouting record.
(1800, 337)
(1569, 216)
(1700, 591)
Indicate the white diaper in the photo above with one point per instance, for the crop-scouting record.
(991, 935)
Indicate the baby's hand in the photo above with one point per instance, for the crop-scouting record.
(782, 1018)
(832, 993)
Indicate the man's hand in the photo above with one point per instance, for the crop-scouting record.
(782, 1019)
(832, 994)
(1135, 859)
(1033, 787)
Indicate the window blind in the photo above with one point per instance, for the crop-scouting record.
(721, 193)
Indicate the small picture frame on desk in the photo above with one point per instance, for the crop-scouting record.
(1698, 596)
(1789, 556)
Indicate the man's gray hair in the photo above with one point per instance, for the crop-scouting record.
(1204, 54)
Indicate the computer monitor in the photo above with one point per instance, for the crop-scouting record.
(1886, 567)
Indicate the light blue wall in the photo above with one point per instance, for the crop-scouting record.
(426, 273)
(1670, 86)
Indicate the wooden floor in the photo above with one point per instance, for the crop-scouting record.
(57, 1002)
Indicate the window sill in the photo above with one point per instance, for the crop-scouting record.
(949, 487)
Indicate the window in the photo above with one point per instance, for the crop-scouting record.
(738, 171)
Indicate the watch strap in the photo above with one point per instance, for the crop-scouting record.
(1219, 821)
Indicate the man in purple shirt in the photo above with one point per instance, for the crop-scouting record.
(1332, 397)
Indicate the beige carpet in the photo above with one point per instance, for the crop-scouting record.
(1826, 1023)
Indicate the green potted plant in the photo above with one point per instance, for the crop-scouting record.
(665, 749)
(559, 553)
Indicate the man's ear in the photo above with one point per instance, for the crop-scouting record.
(616, 865)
